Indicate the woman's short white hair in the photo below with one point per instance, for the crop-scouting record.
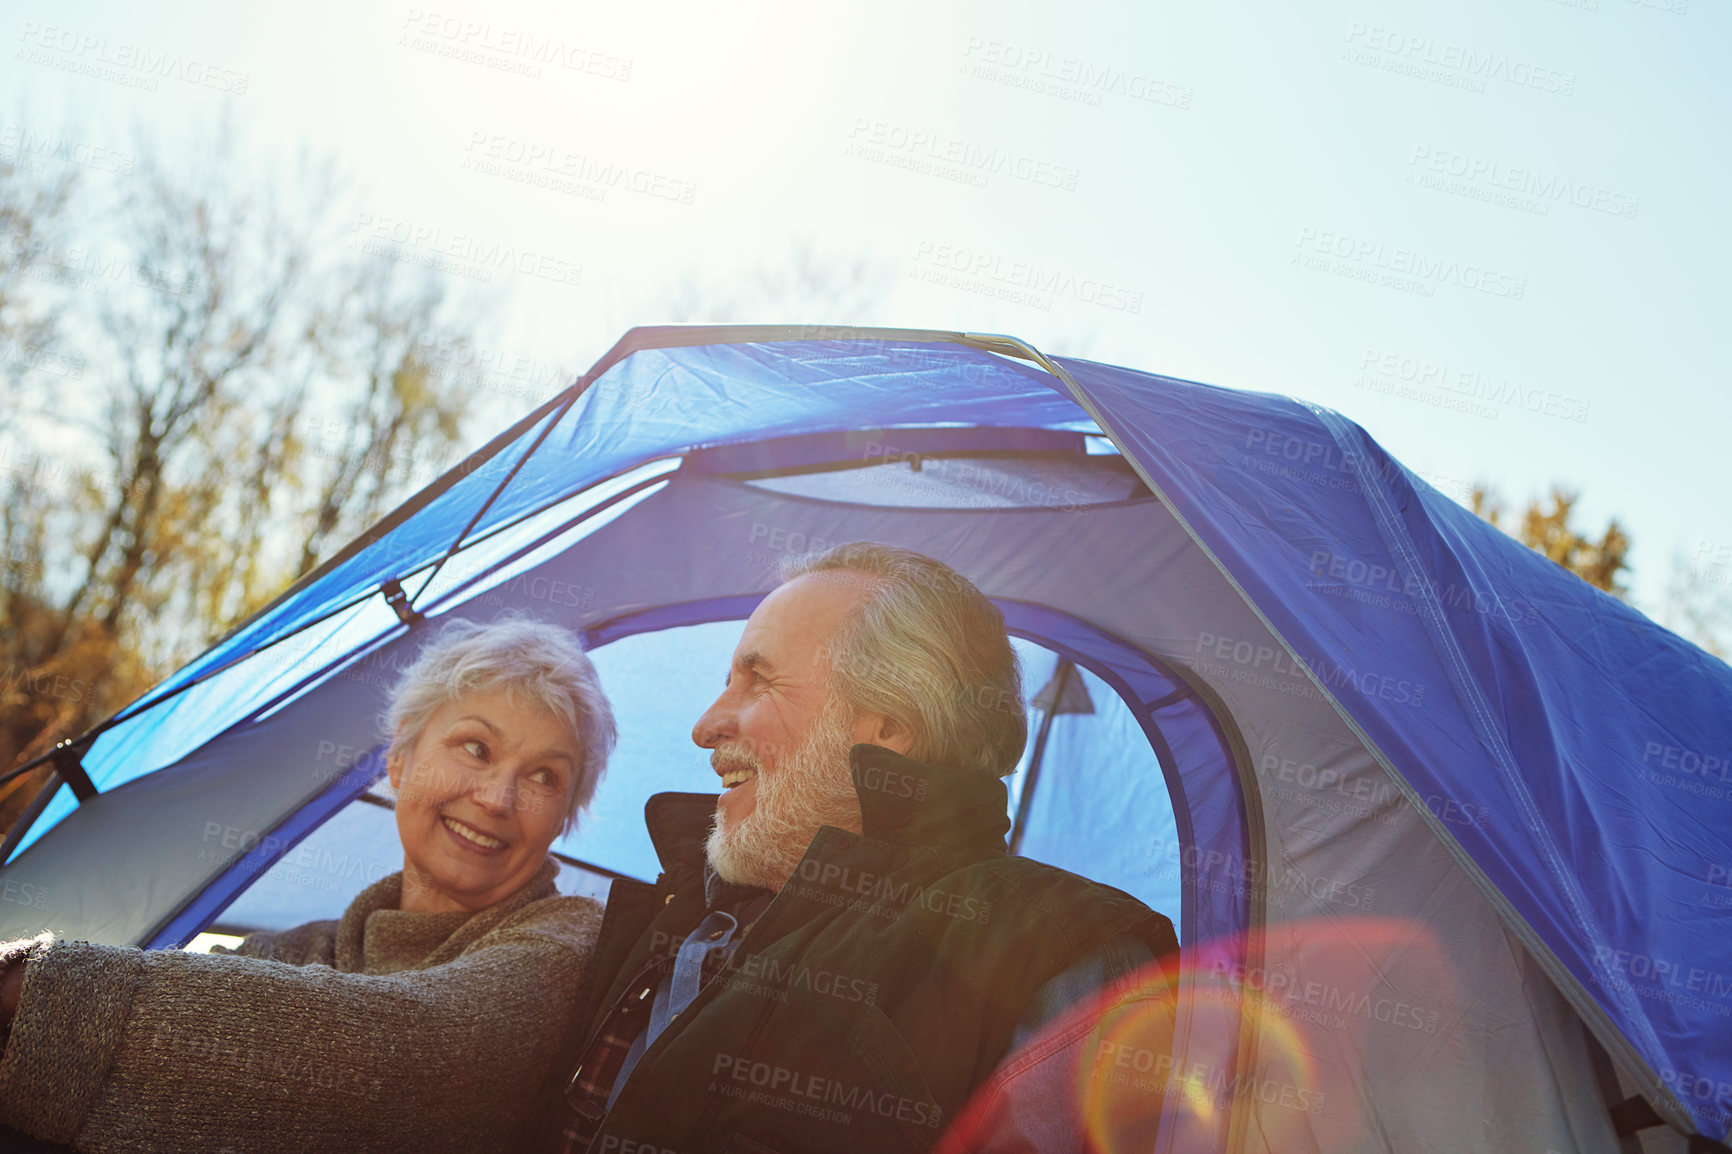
(527, 659)
(926, 648)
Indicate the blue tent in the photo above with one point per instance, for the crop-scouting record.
(1445, 830)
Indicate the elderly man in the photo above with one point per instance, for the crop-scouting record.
(839, 950)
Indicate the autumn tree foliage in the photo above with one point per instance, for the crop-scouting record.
(1549, 531)
(206, 392)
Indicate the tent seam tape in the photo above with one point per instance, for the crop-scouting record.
(1406, 553)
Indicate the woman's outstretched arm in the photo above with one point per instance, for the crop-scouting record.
(116, 1048)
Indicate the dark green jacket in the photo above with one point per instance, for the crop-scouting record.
(880, 987)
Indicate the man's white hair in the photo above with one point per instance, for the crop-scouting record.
(925, 648)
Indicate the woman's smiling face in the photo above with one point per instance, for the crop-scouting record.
(481, 794)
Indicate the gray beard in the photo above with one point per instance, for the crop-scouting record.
(813, 788)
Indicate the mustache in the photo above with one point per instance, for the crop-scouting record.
(726, 758)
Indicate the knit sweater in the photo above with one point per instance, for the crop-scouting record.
(383, 1031)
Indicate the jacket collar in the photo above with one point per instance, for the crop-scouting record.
(912, 803)
(902, 801)
(678, 825)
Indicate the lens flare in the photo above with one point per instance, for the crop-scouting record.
(1278, 1031)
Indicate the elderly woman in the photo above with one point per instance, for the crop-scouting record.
(427, 1018)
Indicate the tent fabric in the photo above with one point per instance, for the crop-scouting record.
(657, 402)
(1581, 750)
(720, 393)
(1439, 796)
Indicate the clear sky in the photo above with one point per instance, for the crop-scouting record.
(1490, 231)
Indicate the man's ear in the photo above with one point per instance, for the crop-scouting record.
(878, 729)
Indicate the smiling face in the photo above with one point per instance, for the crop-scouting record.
(481, 794)
(780, 739)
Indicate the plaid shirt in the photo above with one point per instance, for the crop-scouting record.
(592, 1082)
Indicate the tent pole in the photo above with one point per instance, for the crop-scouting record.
(1061, 680)
(67, 760)
(504, 483)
